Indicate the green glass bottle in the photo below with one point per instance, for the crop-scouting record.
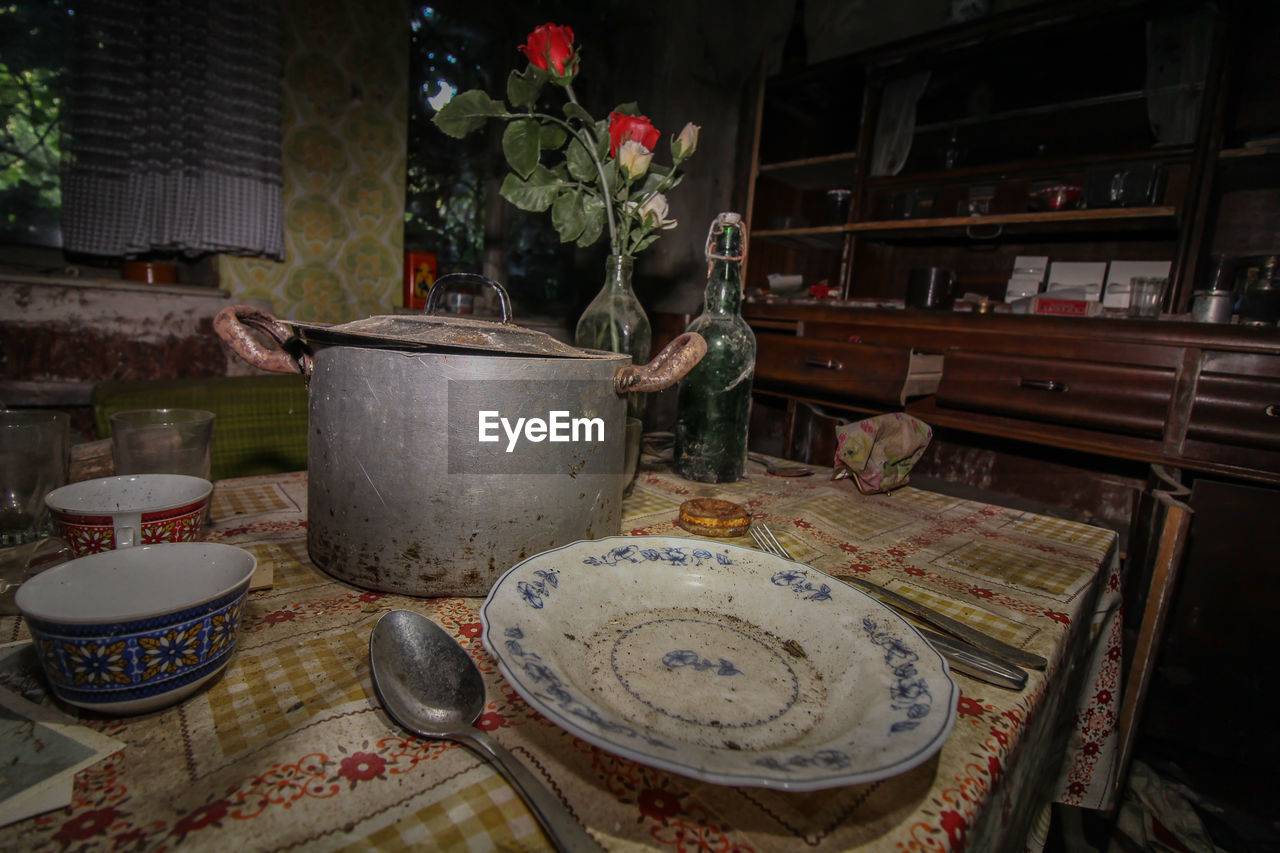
(714, 401)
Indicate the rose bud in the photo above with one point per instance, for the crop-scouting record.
(686, 143)
(634, 159)
(550, 47)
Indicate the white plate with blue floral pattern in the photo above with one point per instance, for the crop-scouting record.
(718, 662)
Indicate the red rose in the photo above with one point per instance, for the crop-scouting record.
(550, 47)
(622, 128)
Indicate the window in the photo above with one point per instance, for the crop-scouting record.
(32, 35)
(451, 197)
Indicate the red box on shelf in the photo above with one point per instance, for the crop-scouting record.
(419, 275)
(1065, 307)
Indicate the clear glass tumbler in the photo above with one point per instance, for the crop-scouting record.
(163, 441)
(1146, 293)
(34, 451)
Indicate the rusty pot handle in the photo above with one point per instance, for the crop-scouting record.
(666, 369)
(232, 325)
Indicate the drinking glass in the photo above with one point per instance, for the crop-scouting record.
(34, 449)
(1145, 295)
(162, 441)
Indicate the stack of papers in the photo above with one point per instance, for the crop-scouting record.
(924, 375)
(1027, 277)
(43, 750)
(1069, 280)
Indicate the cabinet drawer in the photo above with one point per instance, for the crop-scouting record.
(1237, 401)
(833, 368)
(1121, 398)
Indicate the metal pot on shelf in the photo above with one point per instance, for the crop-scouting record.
(417, 481)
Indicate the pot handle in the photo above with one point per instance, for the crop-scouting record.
(232, 325)
(435, 294)
(666, 369)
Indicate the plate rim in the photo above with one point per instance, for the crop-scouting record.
(762, 778)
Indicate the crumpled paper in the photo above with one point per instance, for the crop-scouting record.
(880, 452)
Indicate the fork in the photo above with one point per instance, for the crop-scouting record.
(780, 469)
(963, 656)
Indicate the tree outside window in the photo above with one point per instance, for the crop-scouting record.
(32, 68)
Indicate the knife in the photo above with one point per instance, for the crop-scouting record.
(975, 662)
(954, 627)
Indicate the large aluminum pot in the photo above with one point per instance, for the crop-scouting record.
(421, 479)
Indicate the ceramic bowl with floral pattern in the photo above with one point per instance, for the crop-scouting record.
(132, 630)
(135, 509)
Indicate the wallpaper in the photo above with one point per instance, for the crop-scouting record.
(345, 102)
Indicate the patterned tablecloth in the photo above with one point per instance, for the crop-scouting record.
(290, 749)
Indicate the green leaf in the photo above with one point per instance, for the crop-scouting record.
(612, 177)
(648, 186)
(520, 144)
(602, 139)
(567, 216)
(536, 194)
(467, 112)
(552, 137)
(646, 242)
(581, 166)
(593, 220)
(575, 111)
(631, 108)
(523, 89)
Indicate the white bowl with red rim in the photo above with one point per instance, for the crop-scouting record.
(134, 509)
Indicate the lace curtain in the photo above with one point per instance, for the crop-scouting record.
(896, 125)
(174, 130)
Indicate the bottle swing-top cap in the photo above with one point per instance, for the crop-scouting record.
(718, 225)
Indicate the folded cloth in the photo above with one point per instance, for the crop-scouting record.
(880, 452)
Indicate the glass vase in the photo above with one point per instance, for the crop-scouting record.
(615, 321)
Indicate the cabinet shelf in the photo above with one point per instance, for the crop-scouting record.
(814, 173)
(1163, 217)
(1041, 167)
(829, 237)
(1024, 123)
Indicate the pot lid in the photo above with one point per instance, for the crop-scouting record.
(432, 331)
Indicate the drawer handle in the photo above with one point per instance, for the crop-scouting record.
(1272, 411)
(824, 363)
(1042, 384)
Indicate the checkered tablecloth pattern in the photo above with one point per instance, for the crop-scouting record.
(290, 747)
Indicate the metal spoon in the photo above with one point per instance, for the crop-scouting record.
(429, 684)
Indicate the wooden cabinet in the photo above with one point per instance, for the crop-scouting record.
(1235, 415)
(1188, 395)
(858, 371)
(943, 141)
(1123, 398)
